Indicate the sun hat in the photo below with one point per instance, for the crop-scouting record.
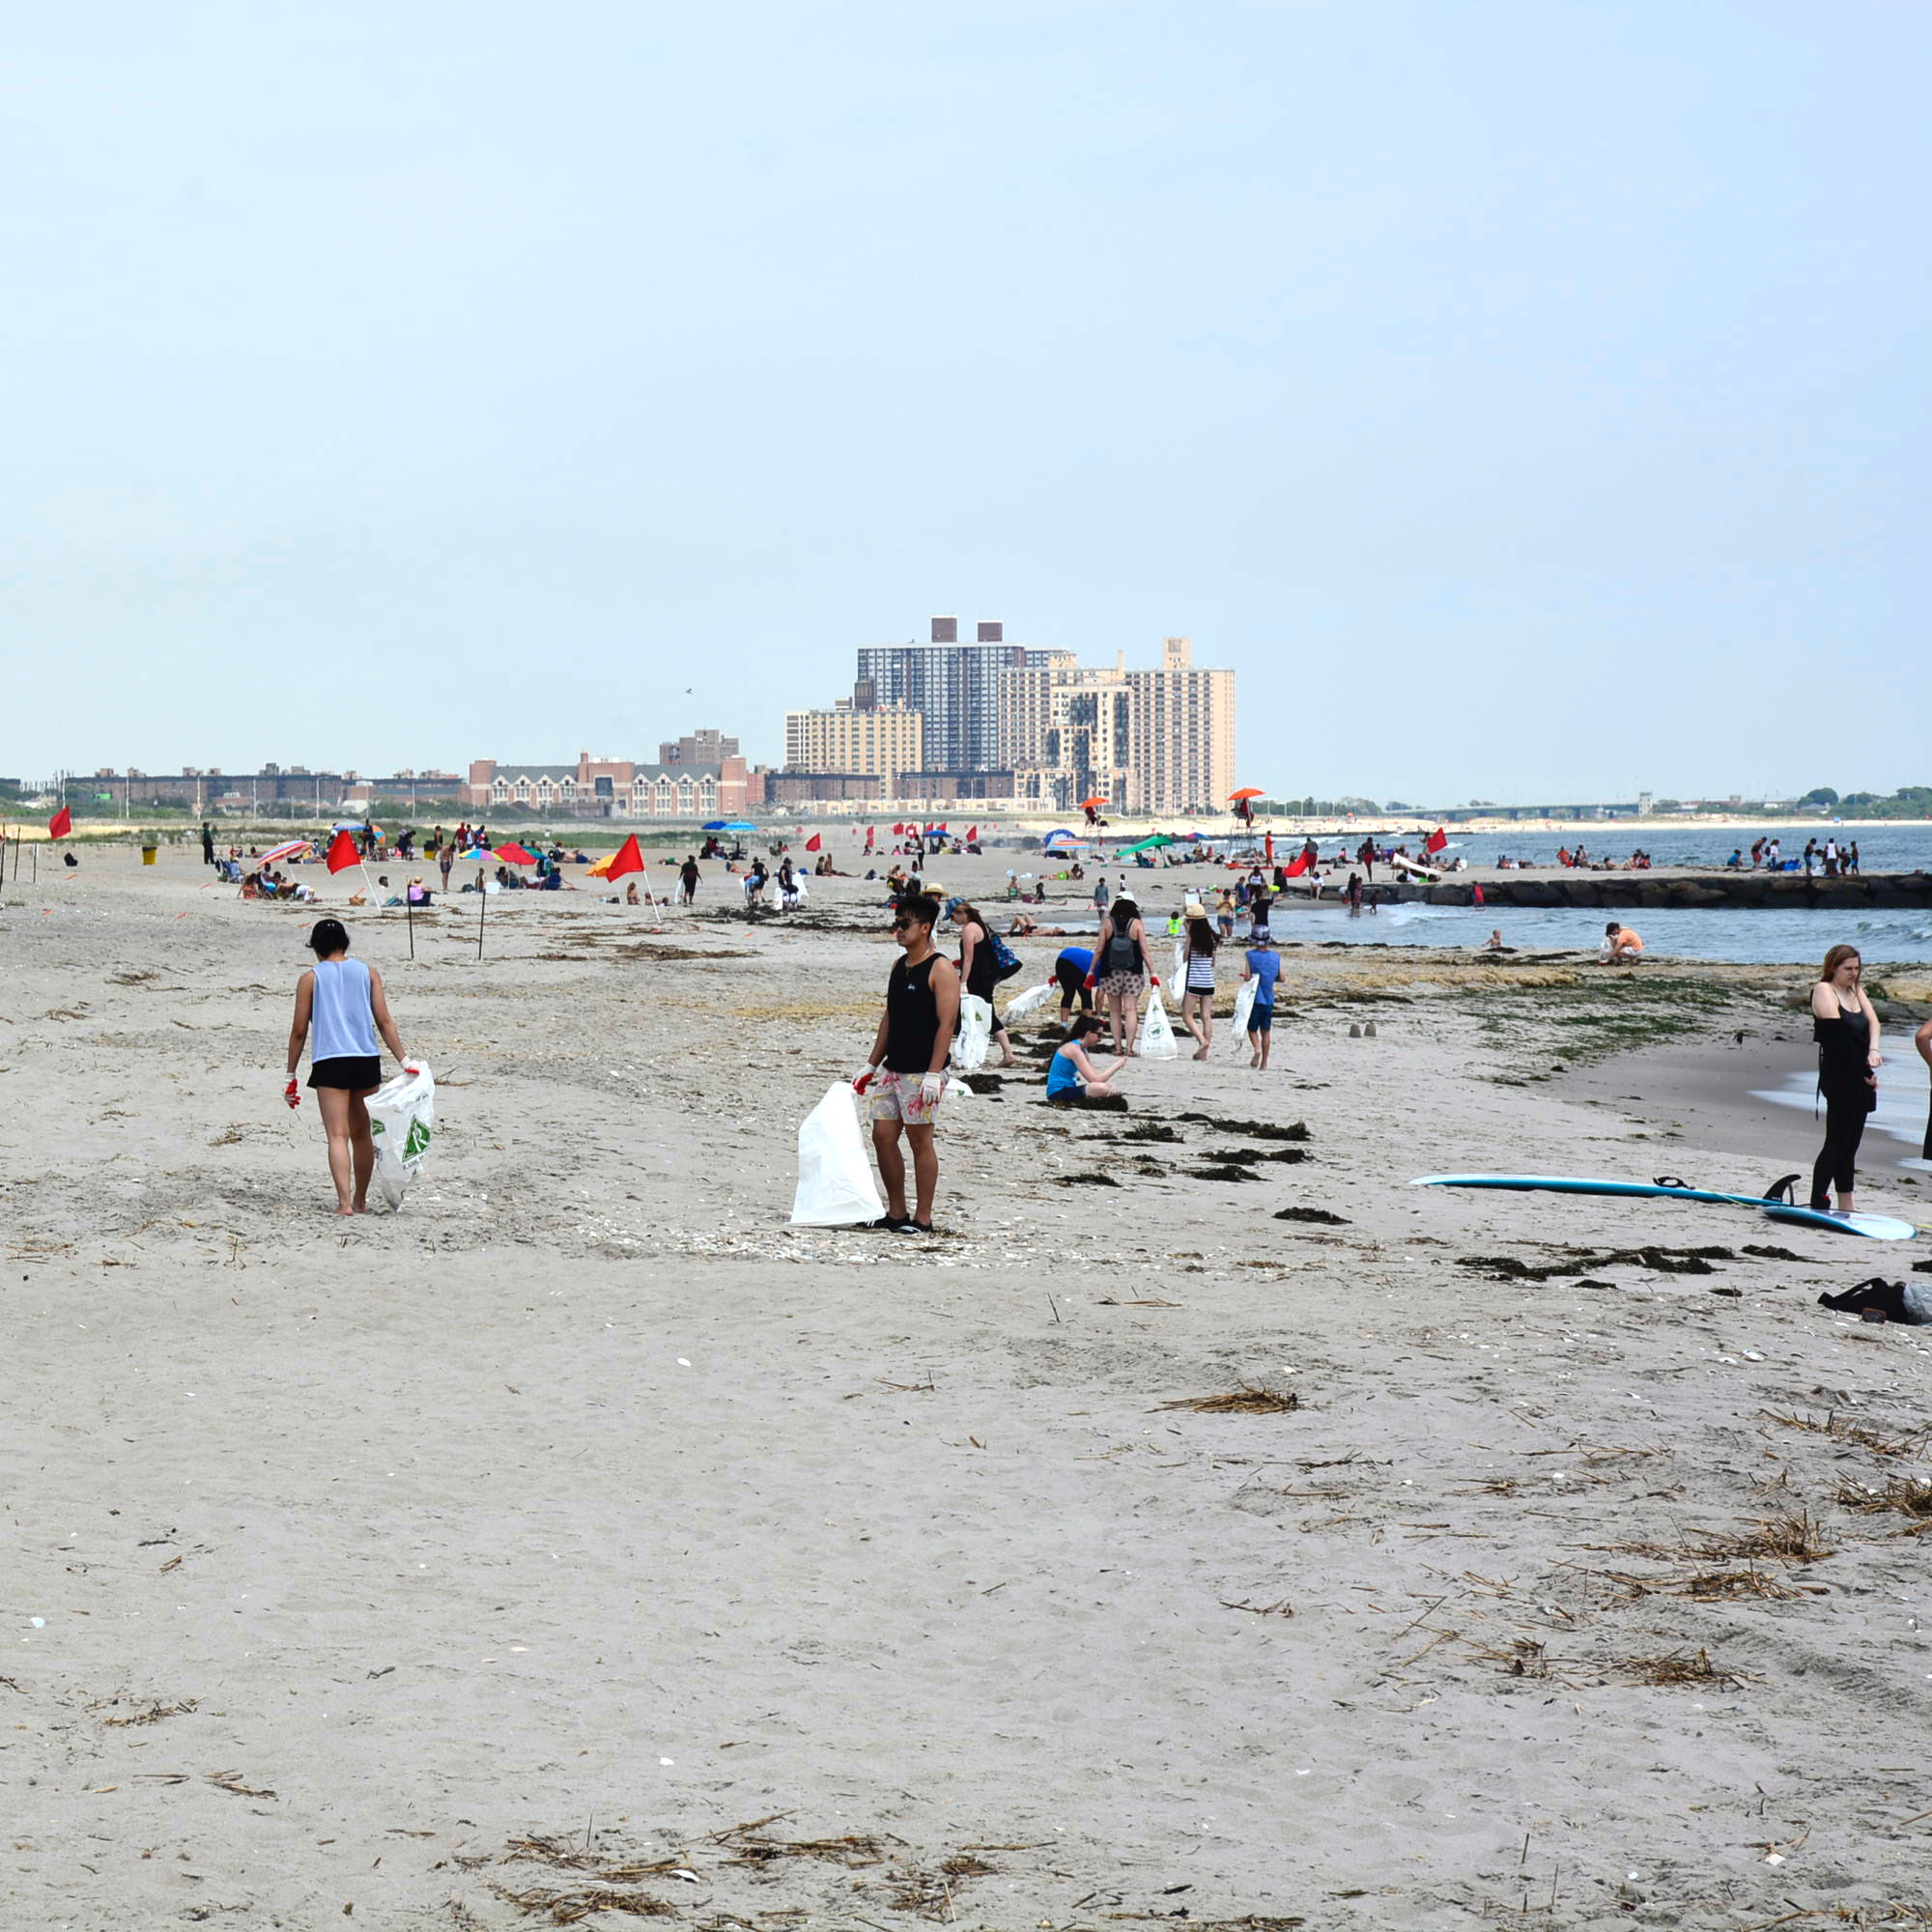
(1194, 909)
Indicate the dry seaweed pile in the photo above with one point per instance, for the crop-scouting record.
(1584, 1262)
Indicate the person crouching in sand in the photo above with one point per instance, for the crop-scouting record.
(1072, 1074)
(341, 1000)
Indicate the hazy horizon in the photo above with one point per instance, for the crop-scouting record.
(1526, 403)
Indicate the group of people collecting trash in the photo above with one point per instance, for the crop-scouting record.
(905, 1079)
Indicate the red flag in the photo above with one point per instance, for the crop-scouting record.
(342, 853)
(628, 859)
(973, 837)
(1300, 865)
(898, 830)
(813, 844)
(1436, 840)
(61, 823)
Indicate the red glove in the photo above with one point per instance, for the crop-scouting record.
(1090, 983)
(291, 1094)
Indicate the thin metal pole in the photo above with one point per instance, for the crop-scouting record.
(409, 913)
(482, 911)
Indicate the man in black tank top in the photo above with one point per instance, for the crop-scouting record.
(906, 1072)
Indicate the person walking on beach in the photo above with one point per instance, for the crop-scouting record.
(906, 1071)
(207, 843)
(686, 880)
(979, 971)
(1197, 999)
(1263, 965)
(341, 1001)
(445, 859)
(1845, 1025)
(1120, 968)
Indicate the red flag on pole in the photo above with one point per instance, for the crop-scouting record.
(61, 823)
(629, 859)
(1437, 840)
(813, 844)
(897, 831)
(342, 853)
(973, 837)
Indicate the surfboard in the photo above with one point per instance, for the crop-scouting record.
(1873, 1227)
(1409, 867)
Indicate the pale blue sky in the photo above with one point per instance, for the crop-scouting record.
(1524, 398)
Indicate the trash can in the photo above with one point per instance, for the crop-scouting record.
(148, 854)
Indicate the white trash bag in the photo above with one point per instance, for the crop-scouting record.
(835, 1188)
(1245, 1007)
(1156, 1038)
(1031, 1000)
(401, 1118)
(975, 1034)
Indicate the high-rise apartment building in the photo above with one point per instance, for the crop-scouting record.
(1151, 742)
(953, 687)
(882, 742)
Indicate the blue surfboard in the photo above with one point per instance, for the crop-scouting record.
(1873, 1227)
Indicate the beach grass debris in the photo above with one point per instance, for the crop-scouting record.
(1085, 1181)
(1582, 1262)
(1678, 1669)
(1772, 1254)
(1788, 1536)
(571, 1854)
(1223, 1172)
(1316, 1214)
(152, 1714)
(1709, 1586)
(854, 1850)
(565, 1905)
(1841, 1428)
(1909, 1496)
(1247, 1156)
(1250, 1399)
(231, 1781)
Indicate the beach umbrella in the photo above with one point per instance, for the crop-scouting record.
(1092, 804)
(735, 825)
(1150, 844)
(513, 854)
(293, 849)
(1061, 840)
(1246, 792)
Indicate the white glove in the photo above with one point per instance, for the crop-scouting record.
(863, 1079)
(931, 1087)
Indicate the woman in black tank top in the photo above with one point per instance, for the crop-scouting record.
(1845, 1025)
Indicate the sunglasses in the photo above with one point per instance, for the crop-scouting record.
(900, 925)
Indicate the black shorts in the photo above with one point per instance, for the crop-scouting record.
(359, 1072)
(1073, 983)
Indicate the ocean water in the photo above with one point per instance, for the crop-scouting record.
(1756, 937)
(1903, 848)
(1903, 1097)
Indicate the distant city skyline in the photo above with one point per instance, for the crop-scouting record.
(1519, 400)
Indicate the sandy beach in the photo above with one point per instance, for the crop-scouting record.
(584, 1536)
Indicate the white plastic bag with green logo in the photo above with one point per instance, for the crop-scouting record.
(402, 1117)
(1156, 1039)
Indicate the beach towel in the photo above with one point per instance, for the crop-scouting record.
(835, 1188)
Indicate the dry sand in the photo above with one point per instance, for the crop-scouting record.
(585, 1505)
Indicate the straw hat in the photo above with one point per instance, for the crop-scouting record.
(1194, 909)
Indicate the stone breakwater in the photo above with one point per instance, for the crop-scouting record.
(1720, 892)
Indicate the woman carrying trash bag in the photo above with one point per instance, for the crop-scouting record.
(341, 1001)
(1120, 969)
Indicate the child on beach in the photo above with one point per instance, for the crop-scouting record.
(1264, 964)
(1072, 1074)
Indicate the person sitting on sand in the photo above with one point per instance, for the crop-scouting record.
(1621, 946)
(1022, 927)
(1072, 1074)
(341, 1001)
(631, 894)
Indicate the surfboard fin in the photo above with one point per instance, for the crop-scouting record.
(1782, 1188)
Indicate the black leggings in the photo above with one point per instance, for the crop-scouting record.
(1071, 982)
(1838, 1158)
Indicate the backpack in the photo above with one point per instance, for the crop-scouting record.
(1005, 962)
